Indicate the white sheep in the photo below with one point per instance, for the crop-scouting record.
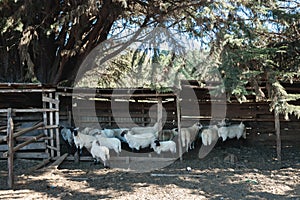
(82, 140)
(100, 152)
(138, 141)
(163, 146)
(90, 131)
(189, 134)
(237, 130)
(117, 133)
(86, 130)
(109, 133)
(141, 130)
(111, 143)
(209, 135)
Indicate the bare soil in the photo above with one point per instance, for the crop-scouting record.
(250, 173)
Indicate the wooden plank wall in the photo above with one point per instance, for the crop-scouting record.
(23, 120)
(256, 115)
(30, 104)
(114, 114)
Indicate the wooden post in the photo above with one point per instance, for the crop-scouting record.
(159, 114)
(45, 121)
(277, 130)
(10, 143)
(179, 124)
(57, 123)
(51, 130)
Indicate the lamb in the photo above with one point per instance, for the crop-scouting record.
(82, 140)
(209, 135)
(232, 131)
(163, 146)
(188, 135)
(138, 141)
(100, 152)
(141, 130)
(111, 143)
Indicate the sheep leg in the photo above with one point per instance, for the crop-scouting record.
(96, 161)
(106, 165)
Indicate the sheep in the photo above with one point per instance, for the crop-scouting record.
(224, 122)
(141, 130)
(100, 152)
(117, 133)
(109, 133)
(91, 131)
(163, 146)
(232, 131)
(67, 135)
(138, 141)
(188, 135)
(82, 140)
(209, 135)
(94, 132)
(111, 143)
(86, 130)
(166, 135)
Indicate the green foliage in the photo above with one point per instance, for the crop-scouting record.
(281, 101)
(242, 44)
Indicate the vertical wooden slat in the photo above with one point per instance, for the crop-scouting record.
(57, 123)
(278, 138)
(51, 130)
(69, 117)
(45, 122)
(10, 159)
(179, 125)
(159, 114)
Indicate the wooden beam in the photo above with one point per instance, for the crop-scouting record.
(43, 163)
(56, 164)
(25, 130)
(25, 90)
(6, 154)
(50, 100)
(31, 110)
(177, 175)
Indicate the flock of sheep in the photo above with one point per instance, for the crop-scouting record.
(100, 142)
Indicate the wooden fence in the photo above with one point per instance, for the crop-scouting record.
(126, 108)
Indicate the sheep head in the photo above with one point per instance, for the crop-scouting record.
(157, 143)
(75, 131)
(199, 125)
(97, 142)
(124, 132)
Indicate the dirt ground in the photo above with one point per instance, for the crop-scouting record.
(254, 175)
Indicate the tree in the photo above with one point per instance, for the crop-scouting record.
(47, 41)
(248, 42)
